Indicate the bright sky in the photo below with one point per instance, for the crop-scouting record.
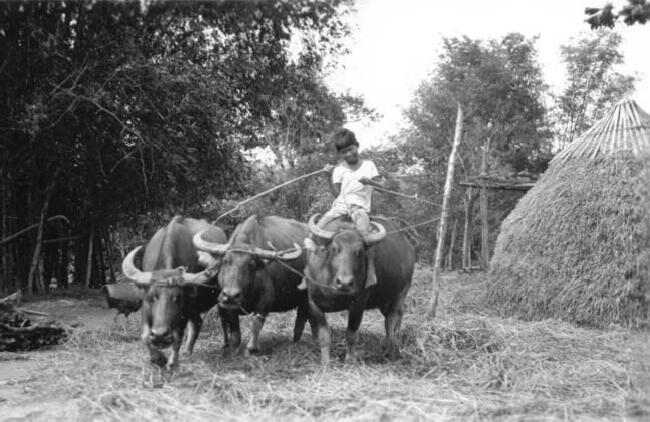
(395, 44)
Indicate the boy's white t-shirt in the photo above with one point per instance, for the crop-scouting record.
(352, 191)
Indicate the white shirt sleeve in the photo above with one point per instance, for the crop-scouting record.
(337, 175)
(371, 170)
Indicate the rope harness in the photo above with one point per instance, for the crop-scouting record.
(407, 227)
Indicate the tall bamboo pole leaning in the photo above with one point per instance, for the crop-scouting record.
(483, 205)
(442, 228)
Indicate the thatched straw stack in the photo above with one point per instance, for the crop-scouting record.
(577, 246)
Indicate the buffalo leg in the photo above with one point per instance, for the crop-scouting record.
(156, 356)
(324, 336)
(193, 327)
(355, 315)
(392, 324)
(231, 331)
(256, 327)
(301, 319)
(172, 363)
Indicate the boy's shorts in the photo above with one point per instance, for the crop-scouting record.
(358, 215)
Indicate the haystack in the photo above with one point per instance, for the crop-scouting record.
(577, 246)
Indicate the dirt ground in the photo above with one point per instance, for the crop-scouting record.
(465, 364)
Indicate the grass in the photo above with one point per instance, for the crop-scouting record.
(466, 364)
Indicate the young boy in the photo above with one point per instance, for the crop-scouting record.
(352, 182)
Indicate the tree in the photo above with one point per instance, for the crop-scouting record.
(593, 83)
(636, 11)
(499, 84)
(134, 109)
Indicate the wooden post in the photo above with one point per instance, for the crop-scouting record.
(470, 197)
(483, 206)
(442, 228)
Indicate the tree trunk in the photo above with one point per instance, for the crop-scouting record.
(39, 240)
(64, 259)
(89, 260)
(442, 228)
(99, 259)
(108, 254)
(483, 206)
(452, 243)
(4, 285)
(470, 197)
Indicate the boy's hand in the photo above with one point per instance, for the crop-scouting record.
(328, 168)
(364, 181)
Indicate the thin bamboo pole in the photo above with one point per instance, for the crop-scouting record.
(442, 228)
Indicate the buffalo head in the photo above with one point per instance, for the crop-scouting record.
(339, 259)
(239, 264)
(164, 298)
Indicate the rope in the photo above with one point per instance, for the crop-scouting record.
(305, 176)
(422, 223)
(403, 195)
(293, 270)
(266, 192)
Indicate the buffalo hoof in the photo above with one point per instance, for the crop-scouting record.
(160, 360)
(171, 366)
(248, 352)
(391, 350)
(228, 352)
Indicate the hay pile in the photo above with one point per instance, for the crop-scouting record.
(577, 246)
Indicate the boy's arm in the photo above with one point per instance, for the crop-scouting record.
(375, 181)
(334, 187)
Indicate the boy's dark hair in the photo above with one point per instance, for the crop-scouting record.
(344, 138)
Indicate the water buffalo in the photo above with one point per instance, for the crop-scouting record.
(253, 281)
(336, 276)
(175, 294)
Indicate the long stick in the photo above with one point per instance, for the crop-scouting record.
(266, 192)
(442, 229)
(33, 226)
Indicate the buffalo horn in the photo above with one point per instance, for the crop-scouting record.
(204, 245)
(286, 255)
(141, 278)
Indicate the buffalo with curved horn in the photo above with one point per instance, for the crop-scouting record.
(177, 286)
(253, 281)
(335, 270)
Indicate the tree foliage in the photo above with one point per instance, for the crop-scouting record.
(593, 84)
(500, 85)
(636, 11)
(124, 109)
